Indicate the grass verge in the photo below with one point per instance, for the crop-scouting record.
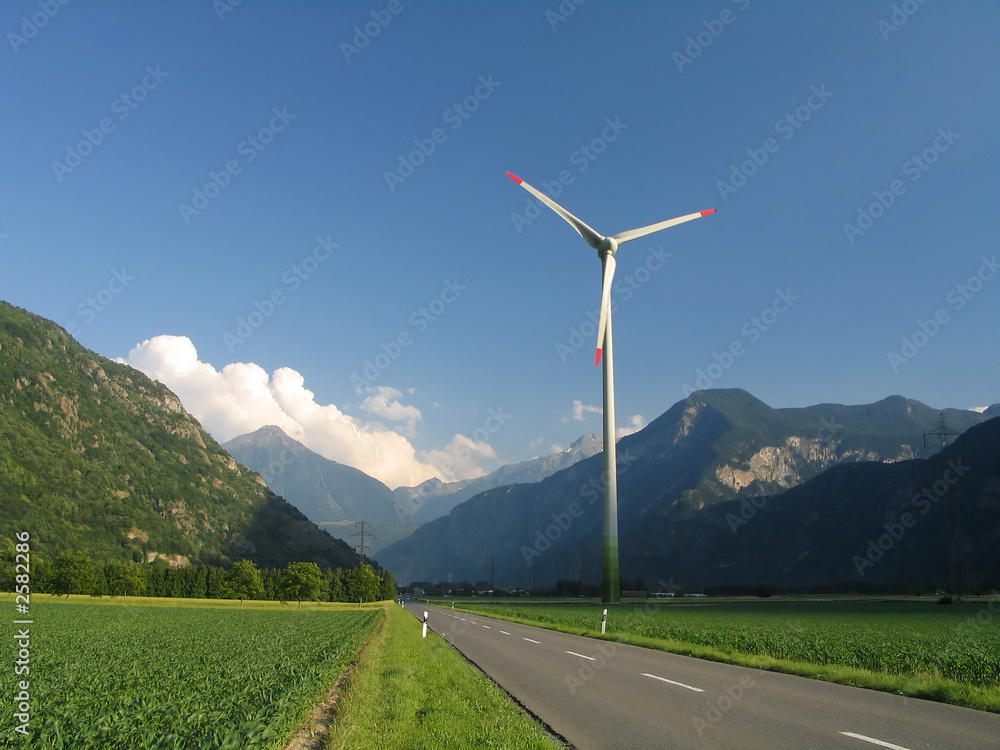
(409, 692)
(927, 687)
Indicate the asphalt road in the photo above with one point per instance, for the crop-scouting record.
(599, 694)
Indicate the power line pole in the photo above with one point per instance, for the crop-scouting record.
(942, 431)
(952, 533)
(363, 546)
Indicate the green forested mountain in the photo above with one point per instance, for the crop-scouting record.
(97, 457)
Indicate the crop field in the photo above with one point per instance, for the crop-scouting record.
(126, 676)
(959, 643)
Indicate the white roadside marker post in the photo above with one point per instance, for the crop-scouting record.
(425, 624)
(604, 621)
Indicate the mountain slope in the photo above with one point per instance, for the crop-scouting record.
(96, 456)
(331, 495)
(434, 498)
(712, 447)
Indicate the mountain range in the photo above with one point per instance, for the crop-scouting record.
(97, 457)
(711, 450)
(434, 498)
(338, 497)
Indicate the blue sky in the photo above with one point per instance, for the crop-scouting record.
(172, 168)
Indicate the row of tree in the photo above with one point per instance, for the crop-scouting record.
(76, 573)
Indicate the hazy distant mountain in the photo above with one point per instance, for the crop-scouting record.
(97, 457)
(715, 446)
(331, 495)
(434, 498)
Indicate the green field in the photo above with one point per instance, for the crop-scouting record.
(918, 648)
(192, 675)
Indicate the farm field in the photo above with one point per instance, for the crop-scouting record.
(918, 648)
(190, 674)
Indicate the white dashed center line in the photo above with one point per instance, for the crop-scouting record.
(874, 741)
(573, 653)
(673, 682)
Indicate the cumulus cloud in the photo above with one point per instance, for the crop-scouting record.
(384, 402)
(635, 424)
(242, 398)
(461, 456)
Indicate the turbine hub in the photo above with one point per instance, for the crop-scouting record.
(608, 246)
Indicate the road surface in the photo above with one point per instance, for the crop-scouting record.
(599, 694)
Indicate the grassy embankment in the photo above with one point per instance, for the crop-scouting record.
(405, 691)
(949, 654)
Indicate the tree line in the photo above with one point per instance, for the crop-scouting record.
(75, 573)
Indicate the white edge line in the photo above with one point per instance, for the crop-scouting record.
(573, 653)
(673, 682)
(874, 741)
(530, 640)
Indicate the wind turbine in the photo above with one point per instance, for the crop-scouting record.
(606, 248)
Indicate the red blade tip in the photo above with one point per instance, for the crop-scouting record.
(703, 213)
(598, 360)
(515, 178)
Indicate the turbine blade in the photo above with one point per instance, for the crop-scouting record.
(593, 238)
(633, 234)
(609, 275)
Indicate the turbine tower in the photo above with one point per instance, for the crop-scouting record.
(606, 248)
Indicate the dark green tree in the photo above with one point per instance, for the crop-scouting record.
(244, 582)
(363, 585)
(388, 585)
(301, 581)
(125, 578)
(75, 573)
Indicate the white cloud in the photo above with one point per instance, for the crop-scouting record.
(460, 456)
(635, 424)
(580, 408)
(242, 398)
(383, 401)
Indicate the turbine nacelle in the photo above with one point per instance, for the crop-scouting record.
(607, 246)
